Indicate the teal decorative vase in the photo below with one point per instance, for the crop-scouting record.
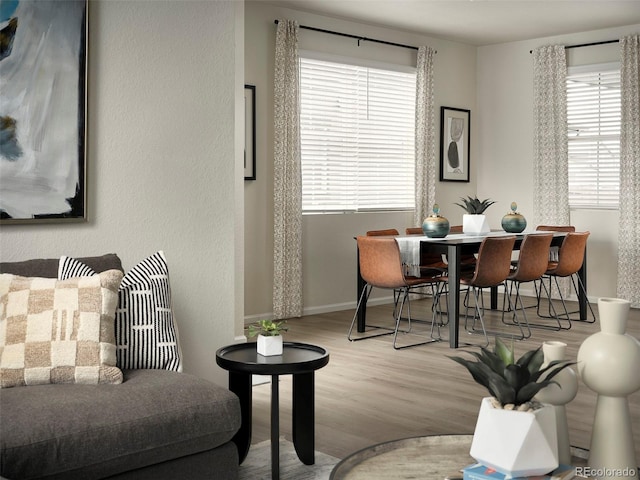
(513, 222)
(435, 226)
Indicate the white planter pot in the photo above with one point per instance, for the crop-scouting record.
(515, 443)
(269, 345)
(475, 224)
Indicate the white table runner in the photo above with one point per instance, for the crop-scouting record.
(410, 246)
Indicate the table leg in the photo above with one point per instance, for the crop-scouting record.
(275, 428)
(240, 384)
(453, 307)
(303, 416)
(361, 284)
(494, 298)
(582, 295)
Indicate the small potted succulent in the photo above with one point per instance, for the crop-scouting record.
(514, 434)
(474, 222)
(269, 336)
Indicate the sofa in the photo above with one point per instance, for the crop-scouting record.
(155, 424)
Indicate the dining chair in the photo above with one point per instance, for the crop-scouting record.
(492, 268)
(569, 262)
(385, 232)
(533, 262)
(427, 259)
(381, 267)
(436, 260)
(553, 251)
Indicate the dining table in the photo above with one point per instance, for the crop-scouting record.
(454, 246)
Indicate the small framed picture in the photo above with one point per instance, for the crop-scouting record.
(454, 144)
(249, 132)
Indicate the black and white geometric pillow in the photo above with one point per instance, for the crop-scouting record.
(146, 333)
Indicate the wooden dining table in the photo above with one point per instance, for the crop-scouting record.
(454, 246)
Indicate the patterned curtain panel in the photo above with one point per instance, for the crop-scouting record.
(425, 176)
(287, 186)
(550, 156)
(629, 229)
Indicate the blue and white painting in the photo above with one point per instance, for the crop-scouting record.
(42, 109)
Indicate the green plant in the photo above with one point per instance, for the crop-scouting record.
(267, 328)
(474, 206)
(509, 381)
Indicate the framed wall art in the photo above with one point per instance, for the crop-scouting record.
(249, 132)
(43, 111)
(454, 144)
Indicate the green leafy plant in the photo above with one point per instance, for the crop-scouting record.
(267, 328)
(474, 206)
(510, 381)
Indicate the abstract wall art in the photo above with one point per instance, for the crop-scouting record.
(454, 144)
(43, 48)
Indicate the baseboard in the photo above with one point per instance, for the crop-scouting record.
(336, 307)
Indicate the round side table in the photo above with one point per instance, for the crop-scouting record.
(300, 360)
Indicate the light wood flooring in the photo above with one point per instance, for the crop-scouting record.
(370, 393)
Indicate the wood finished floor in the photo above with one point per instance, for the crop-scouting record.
(370, 393)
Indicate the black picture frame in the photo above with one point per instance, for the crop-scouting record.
(44, 169)
(249, 132)
(455, 142)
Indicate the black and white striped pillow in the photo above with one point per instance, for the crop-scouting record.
(146, 333)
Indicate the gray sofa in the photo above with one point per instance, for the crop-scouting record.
(157, 424)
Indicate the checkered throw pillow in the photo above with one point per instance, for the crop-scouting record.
(146, 333)
(54, 331)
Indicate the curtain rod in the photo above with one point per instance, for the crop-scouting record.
(587, 44)
(357, 37)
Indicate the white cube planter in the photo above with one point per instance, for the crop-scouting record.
(269, 345)
(516, 443)
(475, 224)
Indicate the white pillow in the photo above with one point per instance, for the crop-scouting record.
(146, 332)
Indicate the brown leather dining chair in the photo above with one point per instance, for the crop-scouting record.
(570, 259)
(427, 260)
(533, 262)
(492, 268)
(553, 251)
(381, 267)
(434, 260)
(380, 233)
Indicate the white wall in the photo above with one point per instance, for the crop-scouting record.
(329, 264)
(165, 148)
(505, 141)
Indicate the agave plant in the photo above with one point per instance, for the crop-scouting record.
(267, 328)
(474, 206)
(510, 381)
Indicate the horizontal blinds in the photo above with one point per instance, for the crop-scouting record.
(593, 115)
(357, 137)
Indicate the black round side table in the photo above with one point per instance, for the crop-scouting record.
(300, 360)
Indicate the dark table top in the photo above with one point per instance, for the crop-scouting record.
(296, 358)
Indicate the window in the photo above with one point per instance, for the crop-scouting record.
(593, 115)
(357, 137)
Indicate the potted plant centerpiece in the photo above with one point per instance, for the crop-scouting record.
(515, 435)
(269, 336)
(474, 222)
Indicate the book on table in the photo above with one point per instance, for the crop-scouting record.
(477, 471)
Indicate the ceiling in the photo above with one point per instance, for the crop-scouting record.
(479, 22)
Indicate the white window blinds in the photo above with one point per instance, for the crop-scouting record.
(357, 137)
(593, 115)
